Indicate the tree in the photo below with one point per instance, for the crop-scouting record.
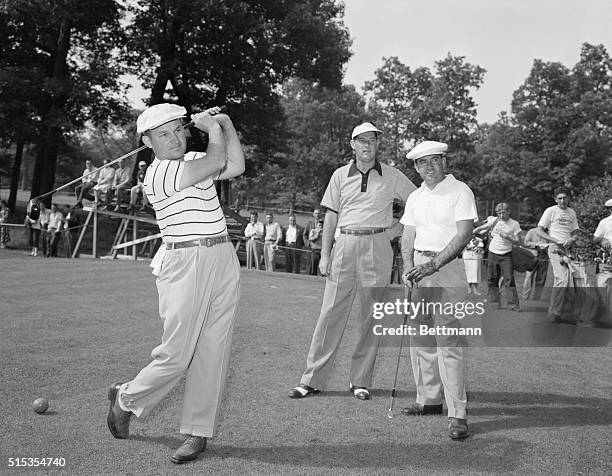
(318, 122)
(65, 53)
(412, 106)
(237, 53)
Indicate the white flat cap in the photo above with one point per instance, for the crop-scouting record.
(142, 162)
(608, 203)
(365, 127)
(157, 115)
(429, 147)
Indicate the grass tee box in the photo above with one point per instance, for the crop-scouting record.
(70, 328)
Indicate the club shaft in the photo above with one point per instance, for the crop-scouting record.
(407, 295)
(135, 151)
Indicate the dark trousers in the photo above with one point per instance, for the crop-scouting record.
(54, 240)
(501, 266)
(292, 258)
(82, 190)
(315, 257)
(34, 237)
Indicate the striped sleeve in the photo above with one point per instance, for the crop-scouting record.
(163, 178)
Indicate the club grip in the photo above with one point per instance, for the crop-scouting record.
(221, 109)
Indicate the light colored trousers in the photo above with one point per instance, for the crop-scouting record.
(198, 297)
(360, 264)
(437, 361)
(253, 253)
(270, 257)
(561, 277)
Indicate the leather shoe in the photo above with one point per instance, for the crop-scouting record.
(458, 428)
(302, 391)
(416, 409)
(118, 420)
(361, 393)
(189, 450)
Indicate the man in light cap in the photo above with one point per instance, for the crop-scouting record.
(197, 275)
(438, 222)
(603, 233)
(359, 201)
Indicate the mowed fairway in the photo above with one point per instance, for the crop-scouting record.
(70, 328)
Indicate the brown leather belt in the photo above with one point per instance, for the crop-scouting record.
(208, 242)
(372, 231)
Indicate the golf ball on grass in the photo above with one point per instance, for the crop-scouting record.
(40, 405)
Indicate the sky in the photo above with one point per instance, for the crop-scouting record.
(502, 36)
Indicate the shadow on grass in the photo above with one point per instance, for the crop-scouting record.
(536, 410)
(458, 456)
(167, 441)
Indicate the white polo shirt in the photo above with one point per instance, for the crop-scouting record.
(500, 245)
(434, 213)
(366, 200)
(183, 215)
(559, 223)
(604, 229)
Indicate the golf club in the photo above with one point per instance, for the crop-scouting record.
(407, 296)
(33, 208)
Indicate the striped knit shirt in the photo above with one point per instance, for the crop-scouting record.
(183, 215)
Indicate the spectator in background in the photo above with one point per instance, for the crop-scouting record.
(534, 281)
(603, 232)
(557, 225)
(294, 242)
(35, 229)
(273, 235)
(472, 261)
(395, 235)
(106, 176)
(5, 235)
(87, 183)
(313, 239)
(254, 233)
(71, 223)
(603, 237)
(122, 182)
(503, 232)
(45, 213)
(54, 230)
(137, 189)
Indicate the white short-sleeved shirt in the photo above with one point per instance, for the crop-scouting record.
(434, 213)
(559, 223)
(604, 229)
(183, 215)
(366, 200)
(498, 244)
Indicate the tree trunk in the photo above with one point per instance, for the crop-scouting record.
(43, 176)
(15, 174)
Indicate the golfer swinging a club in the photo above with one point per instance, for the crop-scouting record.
(197, 275)
(438, 221)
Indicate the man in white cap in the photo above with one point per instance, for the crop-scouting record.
(603, 237)
(197, 275)
(558, 226)
(359, 202)
(438, 222)
(603, 232)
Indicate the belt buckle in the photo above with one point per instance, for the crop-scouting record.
(208, 242)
